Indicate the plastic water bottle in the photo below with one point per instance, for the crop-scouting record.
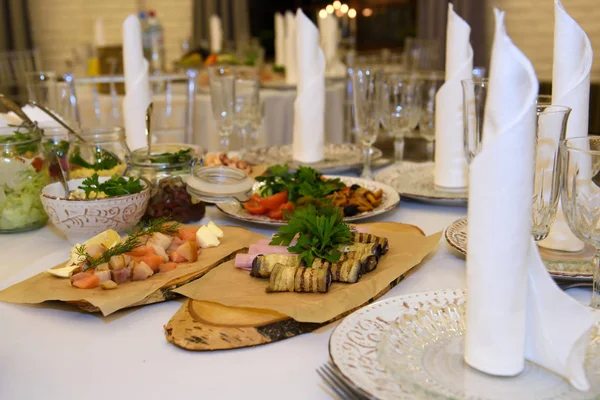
(157, 44)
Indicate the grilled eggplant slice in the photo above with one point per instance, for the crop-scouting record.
(262, 265)
(299, 279)
(368, 238)
(362, 248)
(347, 269)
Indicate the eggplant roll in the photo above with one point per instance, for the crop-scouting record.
(368, 238)
(367, 248)
(262, 265)
(299, 279)
(347, 269)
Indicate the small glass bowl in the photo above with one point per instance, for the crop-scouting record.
(219, 183)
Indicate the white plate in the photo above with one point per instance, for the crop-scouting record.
(563, 266)
(361, 347)
(338, 157)
(415, 181)
(389, 201)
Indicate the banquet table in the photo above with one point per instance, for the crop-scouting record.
(52, 351)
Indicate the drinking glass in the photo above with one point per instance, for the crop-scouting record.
(403, 108)
(422, 54)
(431, 84)
(368, 102)
(247, 103)
(222, 96)
(580, 195)
(550, 130)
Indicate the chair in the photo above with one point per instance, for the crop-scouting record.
(96, 102)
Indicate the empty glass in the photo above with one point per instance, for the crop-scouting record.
(403, 108)
(580, 195)
(550, 130)
(222, 96)
(422, 54)
(431, 84)
(368, 103)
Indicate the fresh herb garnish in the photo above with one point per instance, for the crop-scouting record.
(320, 232)
(115, 186)
(305, 181)
(131, 242)
(181, 156)
(104, 160)
(18, 137)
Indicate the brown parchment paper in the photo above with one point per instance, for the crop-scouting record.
(234, 287)
(45, 287)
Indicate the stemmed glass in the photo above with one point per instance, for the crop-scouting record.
(431, 84)
(422, 54)
(222, 97)
(403, 108)
(368, 102)
(580, 195)
(550, 130)
(247, 103)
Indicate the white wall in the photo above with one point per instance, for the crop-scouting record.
(530, 23)
(60, 25)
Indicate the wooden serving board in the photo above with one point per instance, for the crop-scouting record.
(204, 326)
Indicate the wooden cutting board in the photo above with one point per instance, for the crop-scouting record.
(203, 326)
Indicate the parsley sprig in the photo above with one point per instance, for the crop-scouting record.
(103, 160)
(131, 242)
(115, 186)
(178, 157)
(305, 181)
(320, 232)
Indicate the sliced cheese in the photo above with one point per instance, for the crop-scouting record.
(63, 272)
(215, 229)
(206, 238)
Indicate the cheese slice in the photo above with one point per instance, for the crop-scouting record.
(215, 229)
(206, 238)
(63, 272)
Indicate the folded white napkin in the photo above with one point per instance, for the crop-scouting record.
(514, 309)
(216, 34)
(451, 169)
(35, 114)
(279, 39)
(309, 107)
(137, 86)
(291, 73)
(573, 57)
(99, 32)
(330, 32)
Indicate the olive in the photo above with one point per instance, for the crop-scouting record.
(350, 210)
(354, 187)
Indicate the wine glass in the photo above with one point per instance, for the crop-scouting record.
(580, 195)
(247, 102)
(551, 128)
(403, 108)
(368, 104)
(222, 97)
(431, 84)
(422, 54)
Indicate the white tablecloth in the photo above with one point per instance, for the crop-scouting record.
(55, 352)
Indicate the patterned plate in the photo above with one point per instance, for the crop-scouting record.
(338, 157)
(415, 181)
(564, 266)
(390, 200)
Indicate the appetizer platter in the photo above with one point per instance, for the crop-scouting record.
(309, 274)
(277, 195)
(108, 272)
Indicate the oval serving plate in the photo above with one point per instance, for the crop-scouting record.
(389, 202)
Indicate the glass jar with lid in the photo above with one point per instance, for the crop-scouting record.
(23, 174)
(104, 152)
(167, 168)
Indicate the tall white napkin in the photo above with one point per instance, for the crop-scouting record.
(279, 39)
(137, 86)
(451, 169)
(309, 107)
(330, 33)
(514, 309)
(99, 32)
(216, 34)
(291, 67)
(573, 57)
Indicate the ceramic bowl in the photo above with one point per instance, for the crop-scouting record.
(80, 220)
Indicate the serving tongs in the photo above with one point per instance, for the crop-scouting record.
(11, 105)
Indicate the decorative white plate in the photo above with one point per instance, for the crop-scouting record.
(564, 266)
(366, 351)
(338, 157)
(415, 181)
(389, 201)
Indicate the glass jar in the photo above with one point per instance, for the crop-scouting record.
(23, 174)
(55, 141)
(104, 152)
(167, 168)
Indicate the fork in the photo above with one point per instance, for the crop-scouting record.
(336, 382)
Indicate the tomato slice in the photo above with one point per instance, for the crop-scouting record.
(255, 208)
(275, 201)
(278, 213)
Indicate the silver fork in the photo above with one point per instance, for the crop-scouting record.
(337, 383)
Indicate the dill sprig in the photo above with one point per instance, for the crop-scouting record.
(132, 241)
